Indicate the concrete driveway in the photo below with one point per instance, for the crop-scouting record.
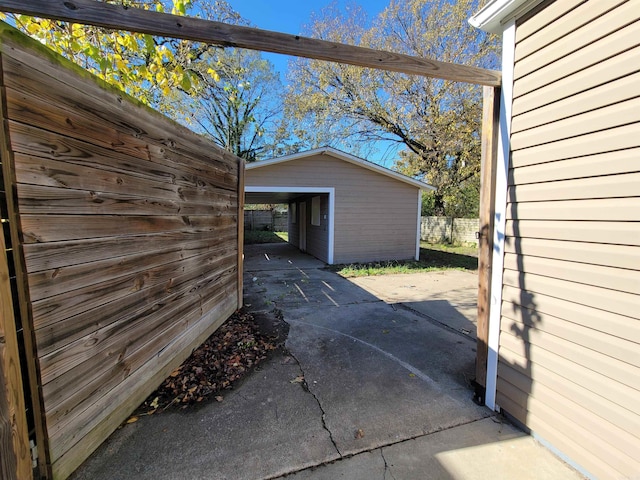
(371, 387)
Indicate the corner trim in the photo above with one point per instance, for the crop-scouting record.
(502, 172)
(419, 230)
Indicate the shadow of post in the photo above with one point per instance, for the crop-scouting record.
(524, 320)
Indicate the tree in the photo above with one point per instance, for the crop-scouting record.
(149, 68)
(238, 111)
(227, 94)
(437, 122)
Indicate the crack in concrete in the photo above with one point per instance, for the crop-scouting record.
(306, 388)
(373, 449)
(387, 468)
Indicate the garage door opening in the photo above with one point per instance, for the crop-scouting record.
(310, 223)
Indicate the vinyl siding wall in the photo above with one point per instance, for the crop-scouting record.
(375, 216)
(569, 355)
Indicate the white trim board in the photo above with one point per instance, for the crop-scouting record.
(494, 16)
(419, 232)
(332, 202)
(500, 213)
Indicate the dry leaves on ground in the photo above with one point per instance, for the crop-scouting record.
(225, 357)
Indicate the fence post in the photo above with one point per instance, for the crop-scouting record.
(490, 122)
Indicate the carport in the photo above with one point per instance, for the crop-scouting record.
(322, 244)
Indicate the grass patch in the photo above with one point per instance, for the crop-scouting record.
(468, 250)
(432, 258)
(262, 236)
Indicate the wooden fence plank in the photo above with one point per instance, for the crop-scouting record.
(55, 228)
(53, 256)
(52, 336)
(73, 302)
(52, 200)
(74, 421)
(99, 378)
(199, 30)
(73, 88)
(41, 143)
(85, 349)
(48, 283)
(241, 178)
(21, 290)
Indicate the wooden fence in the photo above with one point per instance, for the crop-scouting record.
(124, 233)
(266, 220)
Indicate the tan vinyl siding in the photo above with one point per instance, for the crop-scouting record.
(569, 367)
(375, 215)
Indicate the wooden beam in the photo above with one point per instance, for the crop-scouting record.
(117, 17)
(490, 121)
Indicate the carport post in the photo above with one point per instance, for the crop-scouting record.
(490, 123)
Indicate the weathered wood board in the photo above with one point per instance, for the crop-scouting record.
(129, 243)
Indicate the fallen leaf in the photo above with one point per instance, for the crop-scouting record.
(154, 404)
(359, 433)
(412, 375)
(219, 398)
(298, 379)
(385, 331)
(132, 420)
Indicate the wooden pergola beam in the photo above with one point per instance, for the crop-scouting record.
(117, 17)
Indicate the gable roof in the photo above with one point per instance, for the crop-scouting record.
(346, 157)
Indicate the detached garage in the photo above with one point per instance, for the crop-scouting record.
(342, 209)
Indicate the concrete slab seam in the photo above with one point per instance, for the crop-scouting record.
(436, 322)
(421, 375)
(390, 444)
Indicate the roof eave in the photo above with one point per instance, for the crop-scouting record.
(495, 13)
(345, 157)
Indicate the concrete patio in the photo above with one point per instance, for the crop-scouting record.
(375, 384)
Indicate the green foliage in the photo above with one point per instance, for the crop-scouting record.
(227, 94)
(252, 237)
(140, 65)
(437, 122)
(428, 204)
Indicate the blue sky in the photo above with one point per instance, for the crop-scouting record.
(291, 16)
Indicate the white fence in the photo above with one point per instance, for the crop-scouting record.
(449, 230)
